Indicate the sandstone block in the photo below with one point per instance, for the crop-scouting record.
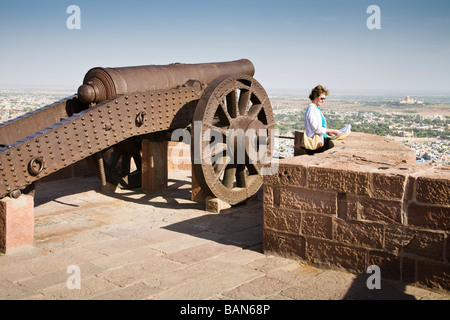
(347, 206)
(282, 244)
(325, 252)
(268, 195)
(199, 194)
(426, 244)
(388, 186)
(154, 166)
(389, 264)
(364, 234)
(179, 156)
(282, 220)
(421, 243)
(316, 225)
(344, 181)
(288, 175)
(308, 200)
(429, 217)
(432, 190)
(215, 205)
(16, 222)
(387, 211)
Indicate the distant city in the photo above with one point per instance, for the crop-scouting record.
(16, 102)
(421, 123)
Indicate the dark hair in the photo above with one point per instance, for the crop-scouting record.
(317, 91)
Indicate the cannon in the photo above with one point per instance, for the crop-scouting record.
(116, 109)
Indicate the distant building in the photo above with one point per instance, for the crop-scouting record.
(408, 134)
(409, 100)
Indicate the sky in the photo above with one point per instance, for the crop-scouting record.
(294, 45)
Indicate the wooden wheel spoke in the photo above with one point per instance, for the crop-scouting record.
(241, 176)
(232, 104)
(221, 165)
(254, 111)
(218, 148)
(225, 111)
(253, 168)
(244, 101)
(214, 127)
(229, 175)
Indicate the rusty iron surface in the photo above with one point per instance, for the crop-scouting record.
(229, 108)
(116, 107)
(101, 84)
(88, 132)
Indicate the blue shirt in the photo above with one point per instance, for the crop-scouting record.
(324, 122)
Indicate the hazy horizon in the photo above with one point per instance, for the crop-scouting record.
(284, 92)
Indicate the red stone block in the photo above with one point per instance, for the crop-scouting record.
(433, 190)
(309, 200)
(385, 211)
(429, 217)
(282, 244)
(360, 233)
(389, 264)
(268, 195)
(16, 222)
(388, 186)
(317, 225)
(395, 238)
(328, 253)
(154, 166)
(420, 243)
(347, 206)
(343, 181)
(288, 175)
(282, 220)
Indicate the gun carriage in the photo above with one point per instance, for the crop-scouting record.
(115, 109)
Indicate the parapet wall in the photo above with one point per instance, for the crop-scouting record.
(364, 202)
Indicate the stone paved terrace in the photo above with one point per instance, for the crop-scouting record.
(165, 247)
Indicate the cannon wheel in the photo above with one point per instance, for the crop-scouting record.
(120, 165)
(229, 107)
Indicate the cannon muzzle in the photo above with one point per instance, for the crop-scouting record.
(102, 84)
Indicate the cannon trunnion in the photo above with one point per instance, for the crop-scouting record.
(117, 108)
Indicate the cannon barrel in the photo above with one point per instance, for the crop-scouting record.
(102, 84)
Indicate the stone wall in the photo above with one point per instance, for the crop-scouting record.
(364, 202)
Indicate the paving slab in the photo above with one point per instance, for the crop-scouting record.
(131, 246)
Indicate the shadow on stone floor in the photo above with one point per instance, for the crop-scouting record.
(389, 290)
(239, 225)
(245, 232)
(53, 190)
